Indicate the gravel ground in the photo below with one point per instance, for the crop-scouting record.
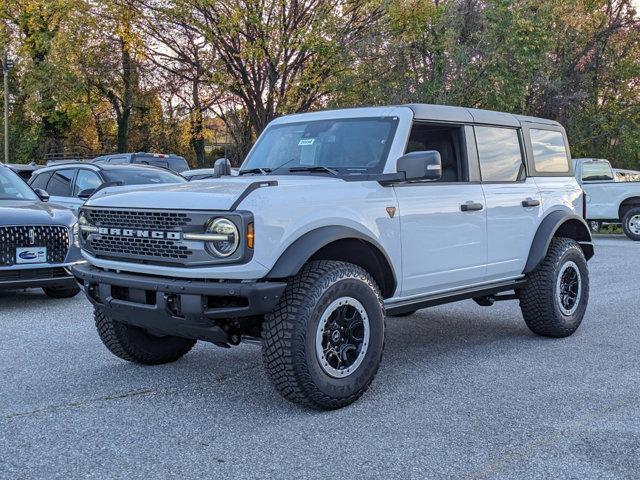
(464, 392)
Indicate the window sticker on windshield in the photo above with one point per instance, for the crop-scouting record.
(306, 142)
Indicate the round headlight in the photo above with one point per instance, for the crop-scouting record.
(224, 227)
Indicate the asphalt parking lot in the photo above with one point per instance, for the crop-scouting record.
(464, 392)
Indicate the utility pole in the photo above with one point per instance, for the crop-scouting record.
(7, 64)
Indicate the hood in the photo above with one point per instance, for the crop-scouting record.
(214, 194)
(34, 212)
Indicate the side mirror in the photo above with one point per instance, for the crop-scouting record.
(425, 165)
(42, 194)
(221, 168)
(86, 193)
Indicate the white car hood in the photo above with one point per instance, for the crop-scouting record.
(215, 194)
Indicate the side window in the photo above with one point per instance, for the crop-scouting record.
(40, 180)
(447, 141)
(549, 151)
(85, 180)
(60, 183)
(597, 172)
(178, 164)
(500, 154)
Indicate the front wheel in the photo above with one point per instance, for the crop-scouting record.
(555, 296)
(631, 224)
(136, 345)
(323, 343)
(57, 292)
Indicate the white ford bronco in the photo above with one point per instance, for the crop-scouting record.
(337, 219)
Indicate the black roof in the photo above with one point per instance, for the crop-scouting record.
(102, 166)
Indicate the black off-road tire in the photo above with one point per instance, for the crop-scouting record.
(626, 220)
(136, 345)
(539, 299)
(57, 292)
(289, 335)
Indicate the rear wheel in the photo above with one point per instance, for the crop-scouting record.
(136, 344)
(555, 297)
(57, 292)
(631, 224)
(322, 345)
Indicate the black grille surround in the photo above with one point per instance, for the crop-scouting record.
(54, 237)
(127, 234)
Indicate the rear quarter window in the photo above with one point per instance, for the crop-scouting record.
(549, 151)
(40, 180)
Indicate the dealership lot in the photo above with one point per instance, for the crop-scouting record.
(464, 391)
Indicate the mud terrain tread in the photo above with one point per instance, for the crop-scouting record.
(537, 298)
(115, 336)
(284, 334)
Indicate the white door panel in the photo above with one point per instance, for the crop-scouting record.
(442, 246)
(510, 226)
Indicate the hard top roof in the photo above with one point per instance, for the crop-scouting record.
(423, 111)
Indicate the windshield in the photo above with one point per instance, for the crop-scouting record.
(350, 145)
(142, 176)
(13, 187)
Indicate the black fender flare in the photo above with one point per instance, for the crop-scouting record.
(301, 250)
(548, 228)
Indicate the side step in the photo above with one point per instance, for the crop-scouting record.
(479, 293)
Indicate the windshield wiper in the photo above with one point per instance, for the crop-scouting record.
(317, 168)
(263, 171)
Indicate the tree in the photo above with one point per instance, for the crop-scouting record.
(280, 57)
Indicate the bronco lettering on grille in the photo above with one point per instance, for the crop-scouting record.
(127, 232)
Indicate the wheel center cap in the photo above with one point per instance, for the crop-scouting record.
(335, 336)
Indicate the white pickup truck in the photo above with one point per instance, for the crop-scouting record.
(608, 199)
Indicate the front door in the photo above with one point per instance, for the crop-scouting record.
(443, 224)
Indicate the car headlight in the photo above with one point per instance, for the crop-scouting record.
(75, 232)
(228, 237)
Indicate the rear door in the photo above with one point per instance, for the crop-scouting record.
(59, 187)
(513, 200)
(444, 223)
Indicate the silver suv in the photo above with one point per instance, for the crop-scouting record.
(336, 220)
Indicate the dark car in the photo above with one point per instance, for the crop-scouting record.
(70, 184)
(172, 162)
(38, 241)
(24, 170)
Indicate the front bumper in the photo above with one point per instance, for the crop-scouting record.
(175, 306)
(58, 276)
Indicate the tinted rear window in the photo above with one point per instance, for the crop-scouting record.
(500, 154)
(40, 180)
(549, 151)
(60, 183)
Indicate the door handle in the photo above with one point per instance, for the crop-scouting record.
(471, 207)
(530, 203)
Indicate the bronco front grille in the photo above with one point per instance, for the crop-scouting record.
(54, 237)
(152, 220)
(109, 245)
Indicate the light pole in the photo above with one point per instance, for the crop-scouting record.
(7, 64)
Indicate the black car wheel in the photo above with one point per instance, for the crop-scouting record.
(323, 343)
(57, 292)
(555, 297)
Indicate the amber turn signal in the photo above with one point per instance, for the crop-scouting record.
(250, 235)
